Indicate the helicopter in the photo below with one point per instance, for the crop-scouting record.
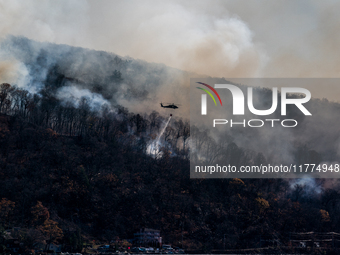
(172, 106)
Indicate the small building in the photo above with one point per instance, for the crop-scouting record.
(148, 237)
(54, 247)
(41, 247)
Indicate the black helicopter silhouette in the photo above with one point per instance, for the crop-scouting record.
(172, 106)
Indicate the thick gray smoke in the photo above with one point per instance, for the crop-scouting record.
(216, 38)
(103, 78)
(73, 95)
(194, 37)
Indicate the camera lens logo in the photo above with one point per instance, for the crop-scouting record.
(204, 97)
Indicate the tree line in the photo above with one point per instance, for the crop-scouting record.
(71, 174)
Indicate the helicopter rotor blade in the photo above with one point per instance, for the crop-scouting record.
(172, 103)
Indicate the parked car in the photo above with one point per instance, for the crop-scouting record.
(142, 249)
(150, 250)
(135, 250)
(104, 247)
(166, 247)
(138, 250)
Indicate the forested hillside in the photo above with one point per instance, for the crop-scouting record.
(67, 170)
(76, 167)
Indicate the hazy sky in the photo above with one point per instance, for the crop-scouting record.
(235, 38)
